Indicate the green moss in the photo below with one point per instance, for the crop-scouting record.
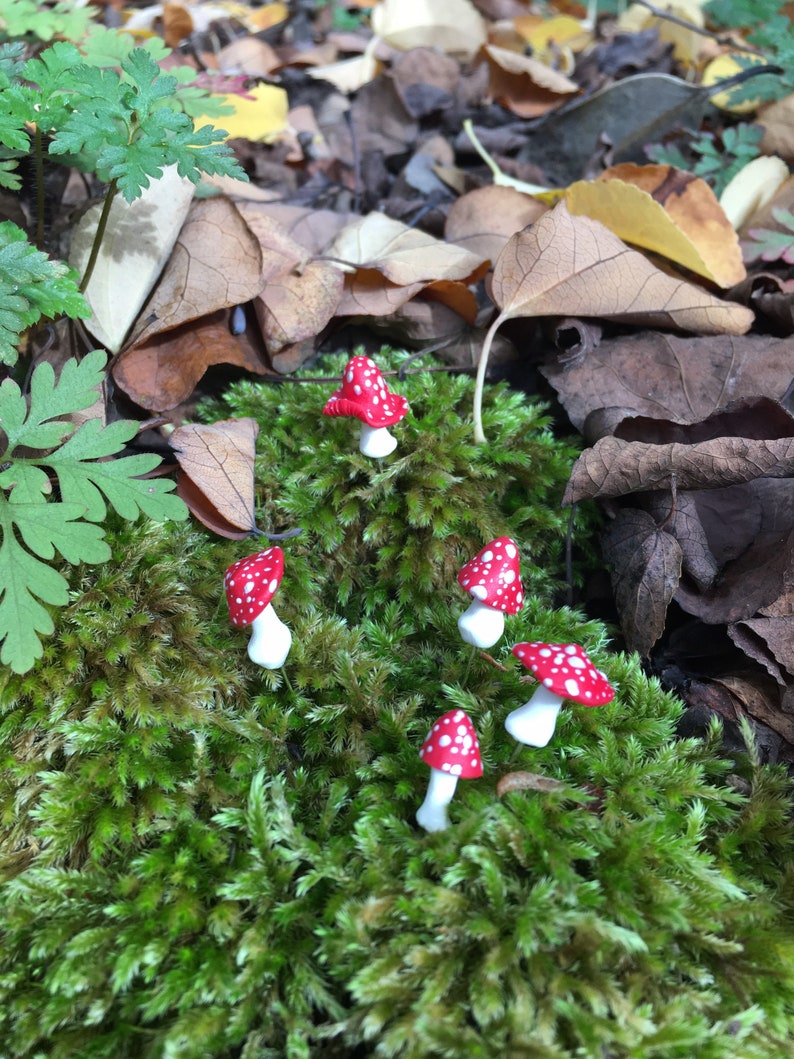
(201, 858)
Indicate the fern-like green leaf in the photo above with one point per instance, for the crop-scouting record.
(32, 285)
(33, 527)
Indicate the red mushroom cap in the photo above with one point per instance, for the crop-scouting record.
(364, 394)
(452, 746)
(565, 669)
(493, 577)
(251, 583)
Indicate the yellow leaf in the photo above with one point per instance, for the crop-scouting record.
(453, 26)
(726, 66)
(667, 211)
(263, 118)
(686, 42)
(559, 30)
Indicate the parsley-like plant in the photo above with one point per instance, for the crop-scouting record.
(41, 448)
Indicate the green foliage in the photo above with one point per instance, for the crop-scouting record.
(718, 159)
(32, 285)
(769, 244)
(22, 19)
(36, 435)
(770, 30)
(201, 858)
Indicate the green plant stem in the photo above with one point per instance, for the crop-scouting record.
(479, 383)
(100, 231)
(38, 156)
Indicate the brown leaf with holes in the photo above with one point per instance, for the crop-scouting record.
(215, 264)
(646, 568)
(565, 265)
(218, 462)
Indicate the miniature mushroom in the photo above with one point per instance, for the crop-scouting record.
(564, 671)
(364, 394)
(250, 584)
(452, 751)
(492, 578)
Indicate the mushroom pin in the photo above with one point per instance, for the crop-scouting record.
(564, 672)
(250, 584)
(452, 751)
(492, 578)
(364, 395)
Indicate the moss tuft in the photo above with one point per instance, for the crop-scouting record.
(203, 858)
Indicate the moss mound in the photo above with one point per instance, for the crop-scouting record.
(201, 858)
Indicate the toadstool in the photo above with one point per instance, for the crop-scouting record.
(564, 671)
(364, 394)
(452, 751)
(250, 584)
(492, 578)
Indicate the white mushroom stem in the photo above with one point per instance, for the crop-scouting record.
(376, 441)
(432, 813)
(481, 625)
(270, 640)
(534, 722)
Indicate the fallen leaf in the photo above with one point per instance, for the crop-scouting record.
(164, 370)
(452, 26)
(425, 80)
(565, 265)
(763, 570)
(752, 188)
(777, 121)
(483, 220)
(299, 296)
(138, 241)
(683, 380)
(770, 642)
(218, 459)
(679, 29)
(682, 520)
(725, 66)
(667, 211)
(524, 85)
(261, 118)
(629, 113)
(295, 308)
(404, 255)
(646, 568)
(215, 264)
(614, 468)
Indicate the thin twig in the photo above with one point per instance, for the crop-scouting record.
(720, 38)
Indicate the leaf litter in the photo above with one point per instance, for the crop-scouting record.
(618, 284)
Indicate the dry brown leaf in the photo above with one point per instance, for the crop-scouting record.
(215, 264)
(613, 467)
(294, 308)
(682, 520)
(662, 376)
(483, 220)
(219, 461)
(646, 568)
(162, 371)
(524, 85)
(367, 293)
(299, 296)
(665, 210)
(425, 80)
(777, 121)
(404, 255)
(565, 265)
